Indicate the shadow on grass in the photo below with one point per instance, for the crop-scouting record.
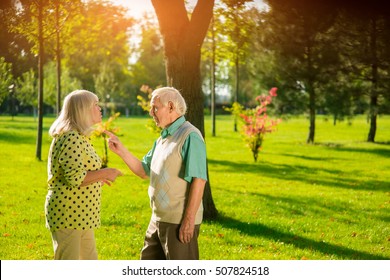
(20, 131)
(383, 143)
(311, 158)
(16, 138)
(376, 151)
(310, 207)
(288, 172)
(117, 222)
(297, 241)
(22, 123)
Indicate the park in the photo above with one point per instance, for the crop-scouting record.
(327, 201)
(314, 187)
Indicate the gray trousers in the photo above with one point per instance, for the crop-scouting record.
(162, 243)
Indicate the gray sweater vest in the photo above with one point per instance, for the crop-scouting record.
(168, 192)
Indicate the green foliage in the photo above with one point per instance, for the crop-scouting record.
(149, 68)
(298, 202)
(68, 83)
(93, 43)
(227, 45)
(26, 89)
(98, 38)
(105, 84)
(99, 133)
(236, 26)
(144, 102)
(6, 78)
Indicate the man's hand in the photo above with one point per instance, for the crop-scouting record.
(186, 231)
(114, 143)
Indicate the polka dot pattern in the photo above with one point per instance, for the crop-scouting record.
(67, 204)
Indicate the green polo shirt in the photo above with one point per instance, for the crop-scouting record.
(193, 153)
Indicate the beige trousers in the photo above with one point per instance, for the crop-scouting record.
(73, 244)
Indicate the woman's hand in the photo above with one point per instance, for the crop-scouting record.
(110, 175)
(105, 176)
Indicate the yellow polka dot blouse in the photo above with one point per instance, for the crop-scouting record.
(67, 204)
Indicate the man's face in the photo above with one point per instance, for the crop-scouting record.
(159, 113)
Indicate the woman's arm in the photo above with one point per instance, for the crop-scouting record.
(105, 175)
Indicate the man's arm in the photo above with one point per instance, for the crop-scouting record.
(134, 164)
(194, 200)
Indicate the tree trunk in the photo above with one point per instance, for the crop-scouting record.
(374, 82)
(183, 39)
(312, 93)
(213, 82)
(312, 116)
(373, 117)
(40, 81)
(236, 62)
(58, 56)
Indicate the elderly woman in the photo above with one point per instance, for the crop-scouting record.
(75, 179)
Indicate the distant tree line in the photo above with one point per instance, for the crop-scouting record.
(325, 57)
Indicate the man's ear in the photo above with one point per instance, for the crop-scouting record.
(170, 106)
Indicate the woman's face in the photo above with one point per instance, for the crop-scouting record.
(96, 113)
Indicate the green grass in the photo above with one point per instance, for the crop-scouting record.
(329, 200)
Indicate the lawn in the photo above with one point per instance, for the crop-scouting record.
(327, 201)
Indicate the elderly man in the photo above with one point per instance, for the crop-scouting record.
(176, 166)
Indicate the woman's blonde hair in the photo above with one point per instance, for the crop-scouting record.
(170, 94)
(75, 114)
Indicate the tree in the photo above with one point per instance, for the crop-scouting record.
(214, 64)
(183, 38)
(365, 48)
(14, 47)
(249, 55)
(105, 85)
(26, 87)
(298, 35)
(98, 36)
(68, 83)
(6, 78)
(33, 19)
(58, 55)
(62, 10)
(213, 79)
(149, 68)
(238, 28)
(41, 55)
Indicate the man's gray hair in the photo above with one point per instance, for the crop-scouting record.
(170, 94)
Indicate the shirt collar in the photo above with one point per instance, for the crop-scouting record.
(170, 130)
